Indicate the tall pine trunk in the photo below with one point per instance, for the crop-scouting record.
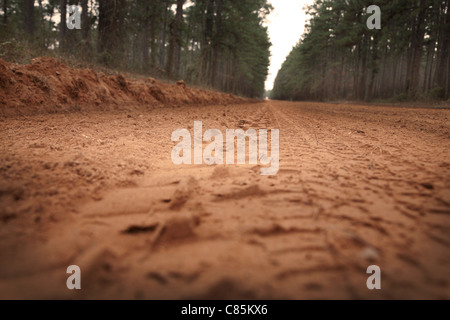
(145, 38)
(84, 20)
(153, 35)
(63, 25)
(162, 48)
(417, 50)
(5, 13)
(443, 48)
(29, 17)
(206, 45)
(111, 32)
(172, 67)
(217, 43)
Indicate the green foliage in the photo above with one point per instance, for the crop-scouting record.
(231, 54)
(340, 58)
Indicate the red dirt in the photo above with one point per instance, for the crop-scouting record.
(47, 85)
(357, 186)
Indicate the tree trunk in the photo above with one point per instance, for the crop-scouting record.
(363, 76)
(172, 66)
(178, 43)
(63, 25)
(29, 17)
(145, 46)
(110, 31)
(206, 48)
(5, 13)
(153, 35)
(443, 47)
(394, 77)
(50, 14)
(323, 78)
(447, 90)
(217, 43)
(417, 50)
(383, 78)
(369, 93)
(162, 47)
(356, 72)
(104, 24)
(84, 20)
(428, 65)
(42, 22)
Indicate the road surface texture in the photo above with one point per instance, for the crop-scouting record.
(357, 186)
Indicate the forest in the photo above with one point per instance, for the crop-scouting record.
(340, 58)
(218, 44)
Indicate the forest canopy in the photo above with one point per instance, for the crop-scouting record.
(221, 44)
(339, 57)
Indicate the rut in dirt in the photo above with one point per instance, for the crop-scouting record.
(357, 186)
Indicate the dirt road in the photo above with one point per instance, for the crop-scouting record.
(357, 186)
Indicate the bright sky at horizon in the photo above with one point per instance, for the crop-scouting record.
(286, 24)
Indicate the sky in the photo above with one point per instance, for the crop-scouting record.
(286, 24)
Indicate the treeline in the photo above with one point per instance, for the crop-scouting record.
(216, 43)
(339, 57)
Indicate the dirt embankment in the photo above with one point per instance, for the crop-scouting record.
(47, 85)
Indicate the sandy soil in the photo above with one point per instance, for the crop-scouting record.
(357, 186)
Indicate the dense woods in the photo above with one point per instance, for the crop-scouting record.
(215, 43)
(339, 57)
